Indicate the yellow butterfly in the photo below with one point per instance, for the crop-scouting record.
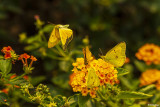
(87, 55)
(60, 33)
(116, 55)
(92, 79)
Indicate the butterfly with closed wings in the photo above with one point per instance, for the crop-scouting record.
(60, 33)
(92, 78)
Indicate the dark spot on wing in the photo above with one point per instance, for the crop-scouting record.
(91, 77)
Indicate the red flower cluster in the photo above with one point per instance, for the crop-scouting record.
(7, 51)
(24, 57)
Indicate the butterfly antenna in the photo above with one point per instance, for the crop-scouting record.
(101, 53)
(50, 22)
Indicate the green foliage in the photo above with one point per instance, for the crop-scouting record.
(122, 71)
(5, 66)
(60, 100)
(126, 82)
(132, 95)
(156, 98)
(62, 81)
(140, 65)
(73, 100)
(36, 80)
(4, 99)
(82, 100)
(147, 88)
(18, 81)
(65, 65)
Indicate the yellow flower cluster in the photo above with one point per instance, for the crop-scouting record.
(105, 72)
(149, 53)
(150, 76)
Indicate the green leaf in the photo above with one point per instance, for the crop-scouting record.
(82, 100)
(140, 65)
(122, 71)
(129, 67)
(126, 82)
(32, 47)
(33, 39)
(5, 66)
(97, 104)
(62, 81)
(19, 81)
(37, 79)
(48, 28)
(129, 101)
(65, 65)
(147, 88)
(73, 100)
(156, 98)
(135, 105)
(132, 95)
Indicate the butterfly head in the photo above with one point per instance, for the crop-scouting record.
(62, 26)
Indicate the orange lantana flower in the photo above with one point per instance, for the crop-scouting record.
(150, 76)
(149, 53)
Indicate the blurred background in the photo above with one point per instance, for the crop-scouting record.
(105, 22)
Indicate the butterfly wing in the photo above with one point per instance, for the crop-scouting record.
(66, 36)
(87, 55)
(92, 79)
(54, 38)
(116, 55)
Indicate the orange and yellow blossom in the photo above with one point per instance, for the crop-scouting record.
(150, 76)
(85, 91)
(78, 80)
(5, 90)
(92, 93)
(149, 53)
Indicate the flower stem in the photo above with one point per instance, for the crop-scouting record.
(60, 50)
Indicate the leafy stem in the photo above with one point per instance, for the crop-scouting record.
(21, 76)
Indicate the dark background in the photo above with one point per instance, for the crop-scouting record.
(105, 21)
